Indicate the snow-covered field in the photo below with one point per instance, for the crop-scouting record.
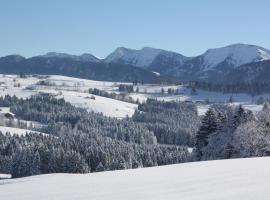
(5, 176)
(107, 106)
(75, 91)
(17, 131)
(236, 179)
(184, 94)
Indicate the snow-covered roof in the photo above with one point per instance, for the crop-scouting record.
(6, 111)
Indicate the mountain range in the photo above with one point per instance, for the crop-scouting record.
(237, 62)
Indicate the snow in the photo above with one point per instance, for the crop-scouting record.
(140, 58)
(5, 176)
(202, 109)
(4, 110)
(200, 98)
(82, 84)
(107, 106)
(84, 57)
(233, 179)
(75, 91)
(190, 150)
(143, 57)
(237, 54)
(156, 73)
(17, 131)
(265, 55)
(184, 94)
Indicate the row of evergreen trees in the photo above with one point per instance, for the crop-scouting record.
(74, 152)
(121, 96)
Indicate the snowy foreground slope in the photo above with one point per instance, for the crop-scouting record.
(237, 179)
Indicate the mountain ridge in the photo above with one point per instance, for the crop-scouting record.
(213, 65)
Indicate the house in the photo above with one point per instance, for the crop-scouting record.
(9, 115)
(5, 113)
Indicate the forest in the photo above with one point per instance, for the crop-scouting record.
(78, 141)
(159, 133)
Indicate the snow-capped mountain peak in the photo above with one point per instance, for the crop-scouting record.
(235, 55)
(264, 54)
(140, 58)
(143, 57)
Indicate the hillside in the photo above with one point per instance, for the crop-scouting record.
(258, 71)
(225, 179)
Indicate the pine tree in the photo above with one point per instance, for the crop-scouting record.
(162, 91)
(35, 164)
(242, 116)
(265, 107)
(221, 121)
(239, 116)
(100, 167)
(231, 100)
(209, 126)
(19, 165)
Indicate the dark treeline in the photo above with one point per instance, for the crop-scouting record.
(126, 88)
(121, 96)
(78, 141)
(172, 122)
(250, 87)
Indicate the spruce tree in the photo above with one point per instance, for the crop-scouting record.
(35, 164)
(242, 116)
(209, 126)
(100, 167)
(239, 116)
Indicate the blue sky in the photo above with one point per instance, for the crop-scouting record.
(190, 27)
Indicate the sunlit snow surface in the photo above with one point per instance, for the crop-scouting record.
(237, 55)
(73, 90)
(236, 179)
(142, 58)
